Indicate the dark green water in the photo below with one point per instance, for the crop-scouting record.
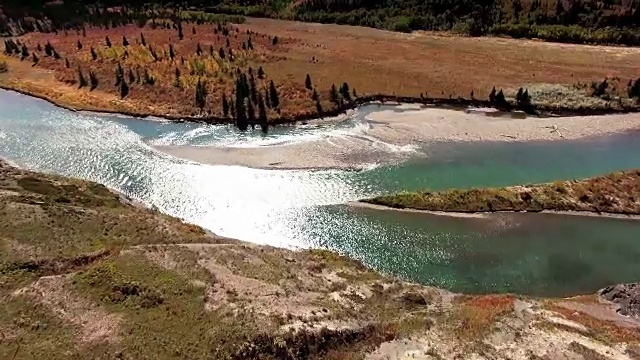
(525, 253)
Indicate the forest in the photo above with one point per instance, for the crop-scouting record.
(573, 21)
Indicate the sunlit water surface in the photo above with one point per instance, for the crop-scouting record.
(525, 253)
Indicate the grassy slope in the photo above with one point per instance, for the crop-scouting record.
(614, 193)
(83, 275)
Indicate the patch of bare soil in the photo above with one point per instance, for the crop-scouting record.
(96, 324)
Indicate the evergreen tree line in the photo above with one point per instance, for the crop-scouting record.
(247, 97)
(74, 15)
(580, 21)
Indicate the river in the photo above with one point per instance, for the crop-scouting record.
(536, 254)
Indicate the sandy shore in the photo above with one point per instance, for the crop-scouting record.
(390, 135)
(435, 124)
(487, 215)
(346, 154)
(439, 213)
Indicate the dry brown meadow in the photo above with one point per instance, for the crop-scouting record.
(369, 60)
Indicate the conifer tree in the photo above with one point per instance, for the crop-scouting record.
(176, 81)
(180, 34)
(252, 89)
(154, 55)
(267, 100)
(24, 52)
(633, 88)
(492, 95)
(94, 56)
(333, 94)
(201, 95)
(225, 105)
(249, 43)
(66, 63)
(228, 43)
(119, 74)
(132, 77)
(355, 94)
(193, 30)
(241, 120)
(94, 80)
(107, 41)
(124, 89)
(125, 42)
(35, 59)
(148, 79)
(519, 95)
(500, 99)
(82, 82)
(211, 51)
(260, 73)
(172, 53)
(525, 99)
(251, 113)
(275, 40)
(262, 114)
(48, 49)
(56, 55)
(307, 82)
(198, 50)
(221, 53)
(346, 94)
(142, 40)
(38, 47)
(273, 95)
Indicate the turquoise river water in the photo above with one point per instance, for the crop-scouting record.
(538, 254)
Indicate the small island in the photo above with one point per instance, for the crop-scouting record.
(614, 194)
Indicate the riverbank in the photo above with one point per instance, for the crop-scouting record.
(152, 285)
(486, 215)
(612, 194)
(329, 55)
(392, 135)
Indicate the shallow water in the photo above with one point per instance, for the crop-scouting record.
(530, 253)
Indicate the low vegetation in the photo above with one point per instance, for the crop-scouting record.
(615, 193)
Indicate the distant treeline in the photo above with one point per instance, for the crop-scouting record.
(17, 18)
(576, 21)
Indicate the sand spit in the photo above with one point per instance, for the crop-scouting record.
(392, 135)
(434, 124)
(439, 213)
(488, 215)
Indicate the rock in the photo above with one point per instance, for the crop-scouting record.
(626, 296)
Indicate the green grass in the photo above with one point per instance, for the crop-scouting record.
(612, 193)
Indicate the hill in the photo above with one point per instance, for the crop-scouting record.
(86, 274)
